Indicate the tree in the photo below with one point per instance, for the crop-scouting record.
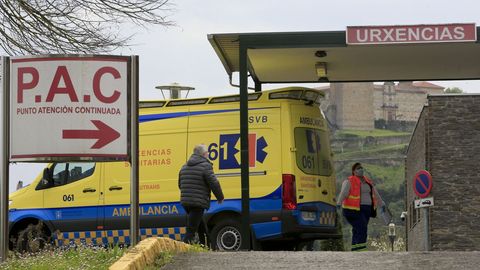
(72, 26)
(453, 90)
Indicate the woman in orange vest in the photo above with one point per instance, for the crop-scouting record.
(359, 199)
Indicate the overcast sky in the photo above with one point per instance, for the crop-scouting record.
(183, 54)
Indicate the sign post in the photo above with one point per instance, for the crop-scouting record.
(134, 186)
(4, 163)
(422, 185)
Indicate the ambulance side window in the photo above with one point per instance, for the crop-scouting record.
(79, 171)
(59, 174)
(66, 173)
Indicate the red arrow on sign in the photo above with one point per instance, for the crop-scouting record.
(104, 133)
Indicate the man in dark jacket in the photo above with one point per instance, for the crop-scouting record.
(196, 181)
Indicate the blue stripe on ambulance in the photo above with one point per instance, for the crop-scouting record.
(161, 116)
(51, 214)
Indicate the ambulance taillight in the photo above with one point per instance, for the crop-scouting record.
(289, 194)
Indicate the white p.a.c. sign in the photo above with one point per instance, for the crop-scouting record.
(69, 107)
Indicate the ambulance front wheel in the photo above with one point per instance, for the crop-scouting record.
(32, 239)
(227, 236)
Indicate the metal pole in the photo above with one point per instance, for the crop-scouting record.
(134, 197)
(4, 157)
(427, 228)
(244, 162)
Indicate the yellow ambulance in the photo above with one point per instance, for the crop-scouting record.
(292, 180)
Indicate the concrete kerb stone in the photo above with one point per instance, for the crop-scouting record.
(145, 252)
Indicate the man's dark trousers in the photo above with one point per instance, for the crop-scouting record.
(194, 217)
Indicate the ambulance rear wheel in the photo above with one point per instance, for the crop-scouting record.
(227, 236)
(32, 239)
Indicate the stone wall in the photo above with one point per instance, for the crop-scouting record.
(451, 139)
(454, 147)
(410, 104)
(415, 161)
(378, 103)
(353, 105)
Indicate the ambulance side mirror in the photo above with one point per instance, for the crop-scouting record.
(19, 184)
(46, 176)
(46, 180)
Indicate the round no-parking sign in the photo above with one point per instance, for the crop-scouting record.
(422, 183)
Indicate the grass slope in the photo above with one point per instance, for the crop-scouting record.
(88, 258)
(366, 133)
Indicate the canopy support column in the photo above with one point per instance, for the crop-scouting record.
(244, 161)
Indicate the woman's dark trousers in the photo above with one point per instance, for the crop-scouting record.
(359, 221)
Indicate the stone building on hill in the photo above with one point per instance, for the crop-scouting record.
(358, 105)
(349, 105)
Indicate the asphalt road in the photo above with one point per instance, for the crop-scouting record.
(326, 260)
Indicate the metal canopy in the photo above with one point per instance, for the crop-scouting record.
(290, 57)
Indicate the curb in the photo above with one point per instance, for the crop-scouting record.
(145, 252)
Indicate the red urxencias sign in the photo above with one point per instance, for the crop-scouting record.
(424, 33)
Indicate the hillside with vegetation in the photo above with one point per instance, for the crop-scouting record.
(382, 153)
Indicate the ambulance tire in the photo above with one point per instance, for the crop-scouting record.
(32, 239)
(227, 236)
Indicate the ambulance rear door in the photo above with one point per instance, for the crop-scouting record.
(313, 165)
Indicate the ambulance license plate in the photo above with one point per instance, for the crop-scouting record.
(309, 216)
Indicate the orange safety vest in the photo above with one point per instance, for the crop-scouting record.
(353, 200)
